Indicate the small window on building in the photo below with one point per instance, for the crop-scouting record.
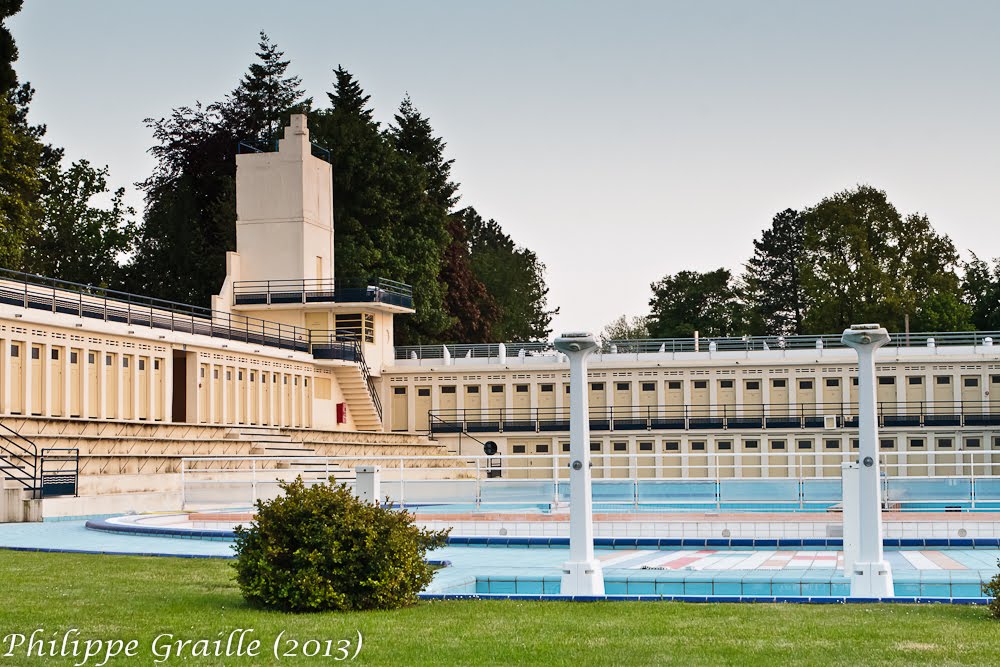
(751, 444)
(597, 386)
(649, 386)
(724, 446)
(519, 449)
(496, 388)
(886, 379)
(55, 354)
(671, 446)
(229, 375)
(995, 379)
(398, 391)
(450, 389)
(546, 388)
(942, 379)
(887, 443)
(541, 449)
(124, 362)
(73, 358)
(565, 446)
(567, 389)
(674, 384)
(973, 443)
(90, 358)
(156, 364)
(142, 364)
(201, 372)
(854, 382)
(645, 446)
(917, 443)
(777, 445)
(726, 384)
(284, 379)
(855, 443)
(944, 443)
(805, 384)
(753, 385)
(253, 376)
(263, 378)
(521, 388)
(595, 446)
(423, 392)
(701, 384)
(831, 444)
(697, 446)
(620, 447)
(914, 380)
(971, 382)
(778, 384)
(295, 380)
(239, 376)
(15, 350)
(833, 382)
(622, 386)
(215, 373)
(472, 389)
(804, 444)
(107, 360)
(36, 353)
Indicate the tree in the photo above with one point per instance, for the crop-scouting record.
(8, 50)
(624, 327)
(190, 217)
(513, 275)
(473, 310)
(772, 282)
(20, 186)
(77, 240)
(864, 262)
(386, 222)
(981, 289)
(690, 301)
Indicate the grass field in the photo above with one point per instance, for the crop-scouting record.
(124, 597)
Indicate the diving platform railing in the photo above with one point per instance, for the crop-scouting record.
(652, 346)
(341, 290)
(790, 416)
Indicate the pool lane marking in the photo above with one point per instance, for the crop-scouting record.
(944, 561)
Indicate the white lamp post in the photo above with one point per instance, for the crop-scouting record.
(870, 574)
(582, 573)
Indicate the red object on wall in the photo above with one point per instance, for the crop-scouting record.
(341, 413)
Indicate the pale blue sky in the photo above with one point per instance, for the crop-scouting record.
(666, 134)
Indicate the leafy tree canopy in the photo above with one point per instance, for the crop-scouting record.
(690, 301)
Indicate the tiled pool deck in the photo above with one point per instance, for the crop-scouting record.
(522, 567)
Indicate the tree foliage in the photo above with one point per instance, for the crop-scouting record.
(773, 277)
(78, 240)
(8, 49)
(690, 301)
(864, 262)
(514, 276)
(624, 327)
(190, 216)
(981, 290)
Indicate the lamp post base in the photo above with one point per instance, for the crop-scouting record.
(871, 580)
(582, 578)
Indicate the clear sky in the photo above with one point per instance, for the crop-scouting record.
(621, 141)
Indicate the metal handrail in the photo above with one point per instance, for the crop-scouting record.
(22, 455)
(323, 290)
(71, 298)
(703, 344)
(720, 416)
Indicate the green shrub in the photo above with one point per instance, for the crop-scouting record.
(992, 589)
(316, 548)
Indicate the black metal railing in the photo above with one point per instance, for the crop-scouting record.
(929, 339)
(341, 290)
(60, 472)
(891, 414)
(60, 296)
(344, 345)
(271, 146)
(18, 458)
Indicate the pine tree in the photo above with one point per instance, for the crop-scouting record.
(773, 277)
(190, 218)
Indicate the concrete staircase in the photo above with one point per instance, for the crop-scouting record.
(359, 401)
(272, 442)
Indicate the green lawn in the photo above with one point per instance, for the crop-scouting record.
(122, 597)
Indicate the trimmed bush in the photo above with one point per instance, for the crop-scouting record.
(317, 548)
(992, 589)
